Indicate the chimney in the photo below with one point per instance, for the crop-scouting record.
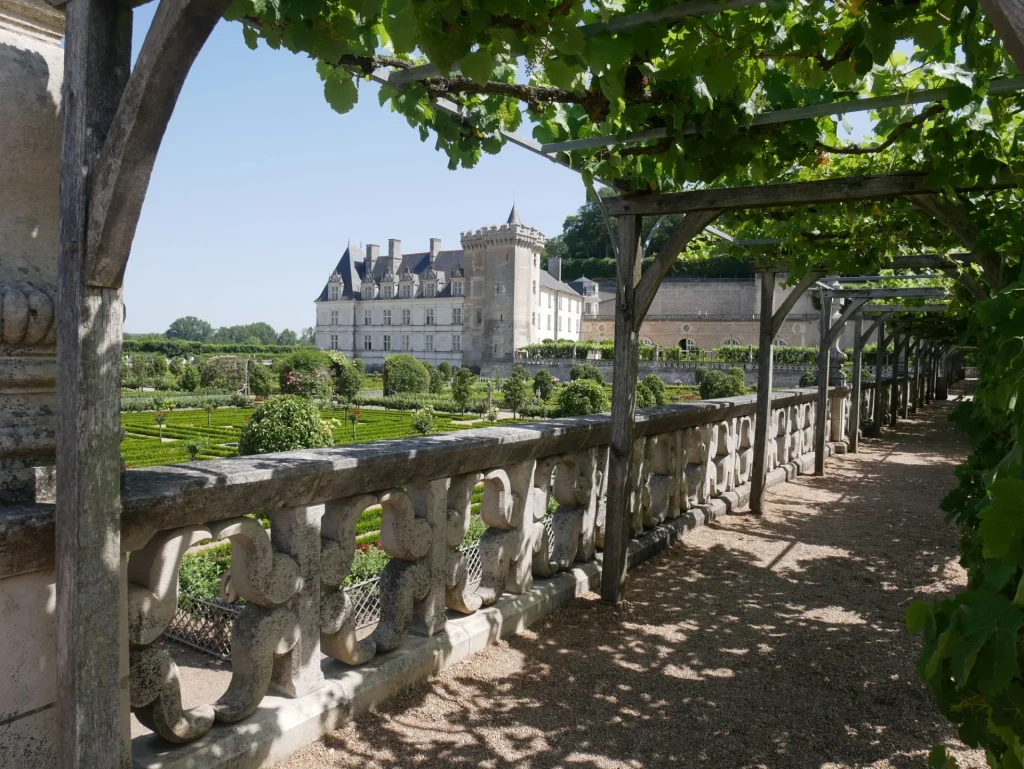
(372, 255)
(435, 248)
(395, 250)
(555, 267)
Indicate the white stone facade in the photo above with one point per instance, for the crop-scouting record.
(475, 306)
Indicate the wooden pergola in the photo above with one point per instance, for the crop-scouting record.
(114, 119)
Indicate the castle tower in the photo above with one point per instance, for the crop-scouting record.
(502, 264)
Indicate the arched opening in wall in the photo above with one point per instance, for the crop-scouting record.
(730, 342)
(687, 346)
(780, 343)
(646, 340)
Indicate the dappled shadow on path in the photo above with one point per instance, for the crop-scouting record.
(756, 642)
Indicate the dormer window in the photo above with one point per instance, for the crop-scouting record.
(367, 290)
(386, 292)
(406, 291)
(430, 290)
(456, 288)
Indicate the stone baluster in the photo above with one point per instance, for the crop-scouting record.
(724, 451)
(810, 413)
(796, 431)
(666, 469)
(744, 464)
(458, 594)
(412, 585)
(699, 445)
(337, 610)
(639, 484)
(506, 548)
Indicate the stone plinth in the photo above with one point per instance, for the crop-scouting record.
(31, 73)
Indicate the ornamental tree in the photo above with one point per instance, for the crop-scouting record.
(284, 423)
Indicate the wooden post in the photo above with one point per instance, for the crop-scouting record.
(894, 384)
(823, 360)
(1007, 16)
(765, 342)
(618, 517)
(858, 349)
(87, 519)
(877, 413)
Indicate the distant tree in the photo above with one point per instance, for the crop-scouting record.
(286, 423)
(308, 336)
(462, 388)
(516, 390)
(446, 370)
(176, 366)
(404, 374)
(544, 384)
(223, 372)
(190, 378)
(160, 417)
(159, 363)
(190, 328)
(288, 337)
(582, 397)
(260, 379)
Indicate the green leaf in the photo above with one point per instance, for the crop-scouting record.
(917, 615)
(939, 759)
(340, 91)
(477, 65)
(251, 37)
(1002, 522)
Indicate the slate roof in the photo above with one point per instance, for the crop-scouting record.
(352, 268)
(548, 281)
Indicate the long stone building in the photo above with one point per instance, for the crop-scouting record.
(705, 313)
(475, 306)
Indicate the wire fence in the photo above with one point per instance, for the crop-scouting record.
(206, 625)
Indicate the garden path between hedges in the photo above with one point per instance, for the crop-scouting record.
(756, 642)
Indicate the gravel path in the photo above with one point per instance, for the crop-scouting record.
(776, 642)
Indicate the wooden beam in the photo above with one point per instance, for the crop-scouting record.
(855, 395)
(1007, 16)
(691, 226)
(775, 117)
(823, 365)
(848, 311)
(888, 293)
(765, 351)
(894, 388)
(838, 190)
(618, 516)
(178, 32)
(889, 309)
(866, 336)
(97, 60)
(959, 223)
(792, 298)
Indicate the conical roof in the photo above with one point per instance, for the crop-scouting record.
(513, 218)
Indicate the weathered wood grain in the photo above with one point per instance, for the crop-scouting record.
(765, 364)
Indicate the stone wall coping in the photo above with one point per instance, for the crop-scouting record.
(172, 496)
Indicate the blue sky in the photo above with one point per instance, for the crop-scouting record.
(259, 185)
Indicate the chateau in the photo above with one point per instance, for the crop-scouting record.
(475, 306)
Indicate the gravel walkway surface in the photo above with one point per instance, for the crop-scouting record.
(774, 642)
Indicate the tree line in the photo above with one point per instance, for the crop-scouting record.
(193, 329)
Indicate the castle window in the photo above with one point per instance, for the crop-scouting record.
(387, 317)
(334, 341)
(429, 290)
(457, 288)
(406, 291)
(386, 292)
(559, 322)
(549, 322)
(430, 343)
(334, 321)
(333, 294)
(456, 343)
(367, 317)
(406, 317)
(533, 319)
(730, 342)
(367, 342)
(549, 301)
(430, 316)
(479, 317)
(387, 341)
(534, 287)
(780, 343)
(457, 316)
(405, 342)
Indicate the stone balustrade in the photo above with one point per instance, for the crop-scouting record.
(296, 614)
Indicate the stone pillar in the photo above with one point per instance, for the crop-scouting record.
(31, 74)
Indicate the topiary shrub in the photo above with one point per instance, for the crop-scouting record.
(544, 384)
(698, 374)
(260, 379)
(286, 423)
(582, 397)
(644, 396)
(190, 378)
(405, 374)
(718, 384)
(423, 421)
(657, 388)
(809, 378)
(436, 379)
(586, 371)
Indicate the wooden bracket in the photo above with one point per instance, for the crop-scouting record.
(178, 32)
